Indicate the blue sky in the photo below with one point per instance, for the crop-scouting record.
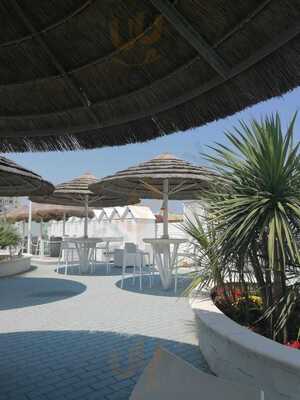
(60, 167)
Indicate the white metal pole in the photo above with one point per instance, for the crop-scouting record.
(23, 235)
(41, 229)
(41, 238)
(29, 228)
(165, 208)
(23, 231)
(86, 217)
(64, 225)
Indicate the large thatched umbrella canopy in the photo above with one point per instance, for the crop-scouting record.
(76, 192)
(45, 213)
(86, 74)
(18, 181)
(165, 177)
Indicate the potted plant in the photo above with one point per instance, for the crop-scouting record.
(253, 225)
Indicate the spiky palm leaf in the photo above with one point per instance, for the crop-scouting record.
(203, 235)
(256, 209)
(261, 191)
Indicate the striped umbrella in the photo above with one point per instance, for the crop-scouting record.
(164, 177)
(18, 181)
(76, 192)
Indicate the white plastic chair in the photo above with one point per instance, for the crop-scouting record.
(66, 255)
(106, 254)
(92, 258)
(139, 258)
(189, 252)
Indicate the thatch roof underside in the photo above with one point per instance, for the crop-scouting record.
(93, 73)
(16, 180)
(186, 181)
(74, 191)
(46, 212)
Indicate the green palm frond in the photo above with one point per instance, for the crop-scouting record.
(262, 191)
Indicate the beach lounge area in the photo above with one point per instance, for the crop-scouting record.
(149, 200)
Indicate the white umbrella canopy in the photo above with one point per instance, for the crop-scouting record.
(77, 193)
(164, 177)
(16, 180)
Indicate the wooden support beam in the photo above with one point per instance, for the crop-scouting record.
(192, 36)
(39, 38)
(67, 18)
(108, 57)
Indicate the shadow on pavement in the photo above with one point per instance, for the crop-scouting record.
(21, 291)
(156, 289)
(79, 364)
(100, 270)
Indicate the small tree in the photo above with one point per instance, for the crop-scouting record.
(9, 236)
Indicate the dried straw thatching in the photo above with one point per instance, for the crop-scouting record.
(92, 73)
(75, 191)
(18, 181)
(146, 180)
(46, 212)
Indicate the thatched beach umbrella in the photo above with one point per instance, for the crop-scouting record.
(76, 192)
(19, 181)
(45, 213)
(164, 177)
(86, 74)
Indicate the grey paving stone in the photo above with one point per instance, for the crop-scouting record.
(70, 337)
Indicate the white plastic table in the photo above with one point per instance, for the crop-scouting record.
(165, 253)
(83, 247)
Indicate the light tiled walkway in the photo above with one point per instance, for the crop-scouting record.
(82, 337)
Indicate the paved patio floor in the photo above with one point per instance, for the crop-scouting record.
(83, 337)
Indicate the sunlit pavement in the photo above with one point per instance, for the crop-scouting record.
(71, 337)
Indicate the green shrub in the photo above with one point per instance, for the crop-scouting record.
(9, 236)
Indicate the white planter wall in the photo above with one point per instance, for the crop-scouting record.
(235, 353)
(14, 266)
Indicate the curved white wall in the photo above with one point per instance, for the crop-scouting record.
(15, 266)
(234, 352)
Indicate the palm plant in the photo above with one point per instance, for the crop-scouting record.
(203, 255)
(256, 208)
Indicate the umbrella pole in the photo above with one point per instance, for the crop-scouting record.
(41, 238)
(41, 228)
(29, 229)
(23, 235)
(86, 216)
(165, 208)
(64, 225)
